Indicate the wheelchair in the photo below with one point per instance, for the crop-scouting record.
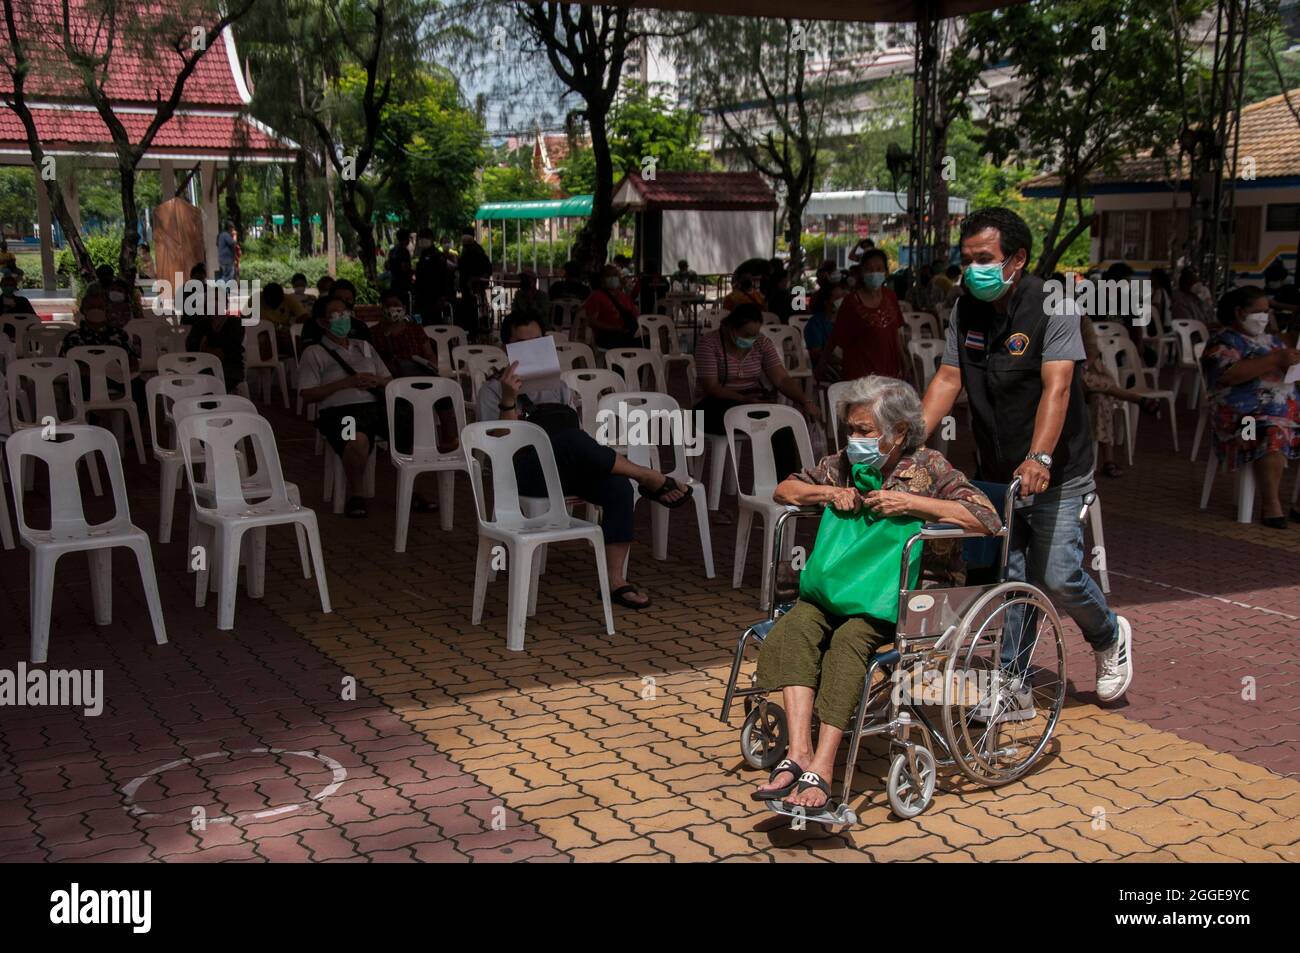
(975, 680)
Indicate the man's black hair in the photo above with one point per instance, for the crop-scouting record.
(273, 294)
(1276, 271)
(297, 277)
(1013, 233)
(742, 314)
(343, 285)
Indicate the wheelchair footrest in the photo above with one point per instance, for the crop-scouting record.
(842, 814)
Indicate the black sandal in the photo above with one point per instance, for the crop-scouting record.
(355, 508)
(1112, 469)
(810, 779)
(1153, 407)
(422, 505)
(781, 793)
(619, 595)
(669, 486)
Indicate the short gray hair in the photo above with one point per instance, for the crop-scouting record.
(891, 402)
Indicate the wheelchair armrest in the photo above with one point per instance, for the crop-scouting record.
(945, 531)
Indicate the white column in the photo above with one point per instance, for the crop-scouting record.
(46, 224)
(211, 217)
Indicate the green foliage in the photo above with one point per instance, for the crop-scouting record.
(103, 248)
(512, 184)
(280, 270)
(17, 198)
(641, 125)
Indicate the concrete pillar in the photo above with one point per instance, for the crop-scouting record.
(211, 216)
(46, 224)
(166, 178)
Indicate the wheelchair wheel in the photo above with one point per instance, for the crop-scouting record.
(909, 795)
(763, 736)
(1004, 684)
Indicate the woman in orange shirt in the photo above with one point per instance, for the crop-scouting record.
(611, 314)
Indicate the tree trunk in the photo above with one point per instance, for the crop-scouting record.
(938, 203)
(1047, 260)
(305, 247)
(363, 230)
(794, 236)
(592, 246)
(130, 219)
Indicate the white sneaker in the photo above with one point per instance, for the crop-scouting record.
(1115, 664)
(1015, 702)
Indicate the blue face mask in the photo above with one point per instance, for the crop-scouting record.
(865, 450)
(341, 324)
(745, 343)
(873, 279)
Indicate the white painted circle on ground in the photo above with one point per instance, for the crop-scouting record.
(339, 773)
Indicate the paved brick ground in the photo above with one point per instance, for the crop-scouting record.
(565, 747)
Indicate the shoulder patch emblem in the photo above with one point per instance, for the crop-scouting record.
(1017, 344)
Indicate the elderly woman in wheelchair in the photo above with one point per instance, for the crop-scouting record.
(818, 660)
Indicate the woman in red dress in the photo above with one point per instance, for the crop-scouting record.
(866, 325)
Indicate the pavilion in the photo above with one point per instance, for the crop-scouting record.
(211, 124)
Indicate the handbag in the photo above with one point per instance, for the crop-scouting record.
(855, 563)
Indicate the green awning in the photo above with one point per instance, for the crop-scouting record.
(279, 220)
(575, 206)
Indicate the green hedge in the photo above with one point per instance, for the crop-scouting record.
(280, 270)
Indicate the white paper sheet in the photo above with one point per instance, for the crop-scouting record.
(539, 364)
(1293, 374)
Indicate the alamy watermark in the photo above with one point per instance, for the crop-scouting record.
(645, 426)
(1101, 297)
(74, 688)
(193, 297)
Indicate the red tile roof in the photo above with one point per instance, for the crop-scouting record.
(143, 64)
(80, 129)
(711, 191)
(1270, 136)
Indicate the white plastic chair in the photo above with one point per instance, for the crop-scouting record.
(563, 313)
(921, 325)
(651, 455)
(169, 388)
(255, 486)
(69, 530)
(1121, 357)
(586, 388)
(46, 339)
(445, 338)
(759, 422)
(790, 345)
(926, 355)
(1189, 333)
(800, 323)
(20, 325)
(272, 367)
(1243, 487)
(1109, 329)
(571, 353)
(639, 366)
(833, 394)
(47, 376)
(224, 506)
(101, 365)
(662, 337)
(424, 457)
(189, 362)
(524, 537)
(771, 320)
(144, 334)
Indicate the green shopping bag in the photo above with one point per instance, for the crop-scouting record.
(856, 559)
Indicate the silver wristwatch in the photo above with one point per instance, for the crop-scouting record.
(1044, 458)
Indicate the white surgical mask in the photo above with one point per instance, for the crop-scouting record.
(116, 296)
(1254, 324)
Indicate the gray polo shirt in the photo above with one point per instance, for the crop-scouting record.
(1062, 341)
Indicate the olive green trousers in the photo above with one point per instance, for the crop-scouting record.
(826, 653)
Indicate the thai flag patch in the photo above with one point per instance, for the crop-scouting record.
(975, 340)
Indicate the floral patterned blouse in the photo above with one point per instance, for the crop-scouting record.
(924, 472)
(1269, 399)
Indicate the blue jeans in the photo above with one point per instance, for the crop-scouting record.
(1047, 551)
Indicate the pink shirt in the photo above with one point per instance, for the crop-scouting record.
(712, 360)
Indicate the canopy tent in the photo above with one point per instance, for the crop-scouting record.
(869, 202)
(575, 206)
(536, 210)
